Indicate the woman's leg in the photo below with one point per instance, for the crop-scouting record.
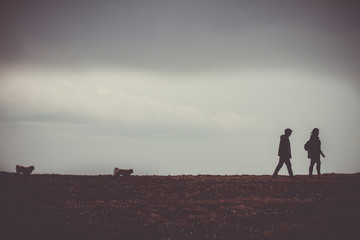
(318, 164)
(311, 167)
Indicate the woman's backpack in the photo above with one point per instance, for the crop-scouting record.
(307, 146)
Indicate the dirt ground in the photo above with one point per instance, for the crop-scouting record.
(179, 207)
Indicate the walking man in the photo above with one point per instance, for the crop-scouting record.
(284, 153)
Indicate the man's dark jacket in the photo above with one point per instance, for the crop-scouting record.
(284, 147)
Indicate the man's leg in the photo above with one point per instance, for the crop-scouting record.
(288, 165)
(278, 167)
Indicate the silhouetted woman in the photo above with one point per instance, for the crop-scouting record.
(313, 146)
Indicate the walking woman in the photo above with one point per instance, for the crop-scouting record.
(313, 147)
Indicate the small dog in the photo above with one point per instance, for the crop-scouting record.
(122, 172)
(24, 170)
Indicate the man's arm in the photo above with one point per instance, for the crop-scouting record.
(322, 154)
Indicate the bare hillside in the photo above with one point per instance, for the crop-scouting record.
(179, 207)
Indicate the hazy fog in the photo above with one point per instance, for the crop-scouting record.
(192, 87)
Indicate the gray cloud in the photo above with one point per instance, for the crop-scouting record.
(110, 111)
(183, 35)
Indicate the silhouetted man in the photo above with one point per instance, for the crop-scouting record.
(284, 153)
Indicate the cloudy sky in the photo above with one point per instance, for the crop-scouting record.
(177, 87)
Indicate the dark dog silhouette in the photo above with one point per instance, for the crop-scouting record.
(24, 170)
(122, 172)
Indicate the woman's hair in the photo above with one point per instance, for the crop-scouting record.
(315, 132)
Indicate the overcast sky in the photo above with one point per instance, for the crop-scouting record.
(178, 87)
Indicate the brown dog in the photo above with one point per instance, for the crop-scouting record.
(24, 170)
(122, 172)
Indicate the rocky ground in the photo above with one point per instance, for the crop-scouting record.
(179, 207)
